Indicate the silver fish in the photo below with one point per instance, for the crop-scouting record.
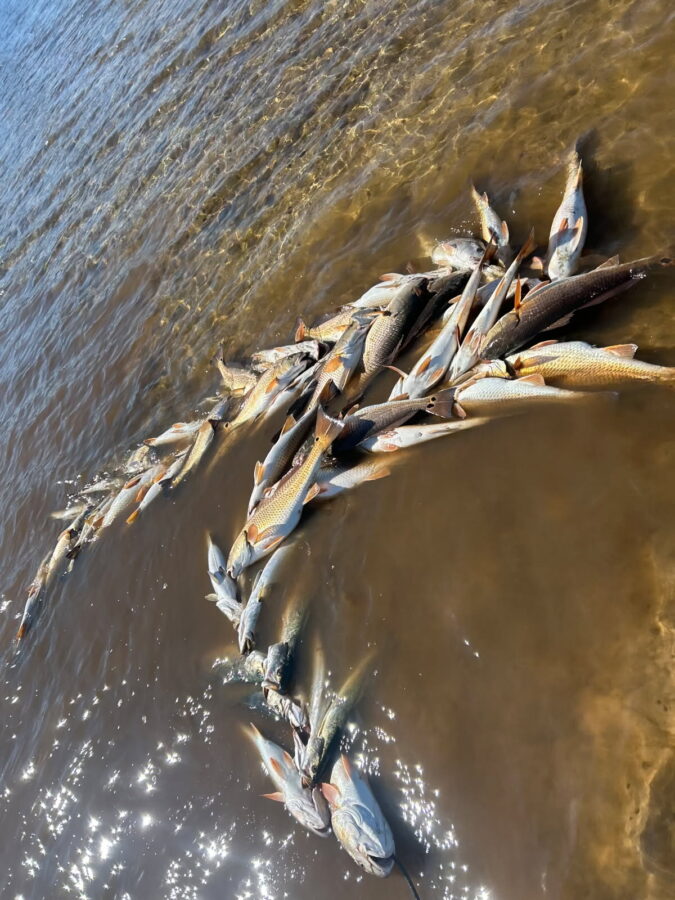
(180, 431)
(492, 227)
(501, 396)
(458, 253)
(69, 512)
(411, 435)
(340, 477)
(332, 722)
(262, 587)
(102, 486)
(432, 366)
(225, 588)
(306, 805)
(263, 359)
(277, 377)
(570, 224)
(357, 819)
(470, 350)
(280, 655)
(236, 379)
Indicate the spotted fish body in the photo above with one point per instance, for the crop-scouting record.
(575, 364)
(275, 518)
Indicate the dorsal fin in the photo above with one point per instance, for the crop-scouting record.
(625, 350)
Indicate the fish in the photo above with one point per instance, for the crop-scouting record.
(340, 477)
(570, 224)
(122, 500)
(575, 364)
(280, 455)
(69, 512)
(277, 515)
(260, 592)
(288, 709)
(411, 435)
(458, 253)
(332, 722)
(90, 526)
(338, 365)
(139, 460)
(204, 439)
(165, 476)
(35, 595)
(180, 431)
(236, 379)
(102, 486)
(329, 330)
(432, 366)
(383, 416)
(357, 819)
(470, 350)
(501, 396)
(280, 655)
(225, 594)
(306, 805)
(277, 377)
(263, 359)
(492, 227)
(388, 332)
(381, 294)
(551, 303)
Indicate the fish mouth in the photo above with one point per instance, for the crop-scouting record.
(380, 865)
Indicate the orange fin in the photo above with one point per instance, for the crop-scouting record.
(518, 297)
(333, 364)
(575, 237)
(331, 793)
(505, 232)
(276, 765)
(276, 795)
(533, 379)
(626, 350)
(272, 385)
(424, 365)
(288, 424)
(382, 472)
(544, 344)
(327, 428)
(131, 483)
(251, 533)
(266, 537)
(258, 473)
(347, 765)
(301, 331)
(312, 493)
(132, 518)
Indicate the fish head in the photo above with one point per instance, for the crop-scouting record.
(241, 555)
(460, 253)
(369, 845)
(309, 807)
(276, 666)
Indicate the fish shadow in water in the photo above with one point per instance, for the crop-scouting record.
(610, 199)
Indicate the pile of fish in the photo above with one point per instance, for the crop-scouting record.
(476, 330)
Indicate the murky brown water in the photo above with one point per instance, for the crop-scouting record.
(179, 174)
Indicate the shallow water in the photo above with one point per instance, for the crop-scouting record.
(178, 175)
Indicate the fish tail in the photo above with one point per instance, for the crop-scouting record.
(327, 428)
(574, 170)
(135, 514)
(301, 330)
(443, 404)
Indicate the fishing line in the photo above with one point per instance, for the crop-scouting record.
(413, 889)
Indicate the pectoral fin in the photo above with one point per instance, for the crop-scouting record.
(276, 796)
